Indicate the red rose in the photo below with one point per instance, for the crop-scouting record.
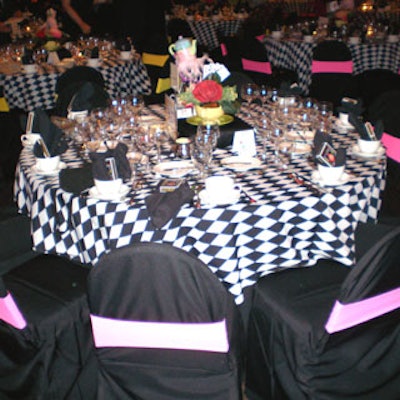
(208, 91)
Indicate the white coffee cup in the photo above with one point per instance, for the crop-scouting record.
(354, 40)
(276, 35)
(29, 139)
(330, 174)
(344, 118)
(308, 38)
(93, 62)
(29, 68)
(219, 187)
(47, 164)
(368, 146)
(393, 38)
(108, 187)
(125, 55)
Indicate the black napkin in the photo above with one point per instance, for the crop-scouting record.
(378, 129)
(50, 133)
(94, 53)
(164, 206)
(63, 53)
(319, 139)
(227, 131)
(340, 157)
(124, 45)
(351, 108)
(359, 126)
(101, 169)
(27, 57)
(75, 180)
(289, 89)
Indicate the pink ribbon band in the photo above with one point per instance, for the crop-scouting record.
(332, 67)
(392, 145)
(345, 316)
(263, 67)
(224, 50)
(10, 313)
(109, 332)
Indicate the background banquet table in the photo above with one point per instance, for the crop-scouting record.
(288, 224)
(208, 33)
(297, 56)
(33, 91)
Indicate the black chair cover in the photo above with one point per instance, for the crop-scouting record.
(332, 86)
(44, 360)
(290, 354)
(160, 283)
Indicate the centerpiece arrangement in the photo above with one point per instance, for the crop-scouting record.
(210, 98)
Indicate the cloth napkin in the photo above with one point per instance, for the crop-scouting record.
(360, 128)
(75, 180)
(164, 206)
(124, 45)
(351, 108)
(287, 89)
(52, 135)
(100, 168)
(27, 57)
(319, 139)
(94, 52)
(378, 129)
(63, 53)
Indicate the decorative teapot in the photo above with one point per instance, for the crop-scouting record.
(184, 46)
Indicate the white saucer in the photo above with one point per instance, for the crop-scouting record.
(53, 172)
(174, 169)
(112, 196)
(343, 126)
(316, 177)
(229, 199)
(241, 164)
(357, 152)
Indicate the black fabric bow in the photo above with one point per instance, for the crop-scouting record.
(51, 135)
(286, 89)
(319, 139)
(359, 126)
(27, 57)
(94, 53)
(351, 108)
(164, 206)
(100, 166)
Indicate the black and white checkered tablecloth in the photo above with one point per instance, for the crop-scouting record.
(34, 91)
(287, 225)
(208, 32)
(297, 56)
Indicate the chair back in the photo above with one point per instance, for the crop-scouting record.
(331, 72)
(372, 288)
(164, 326)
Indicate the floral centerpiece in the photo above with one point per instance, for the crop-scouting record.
(210, 98)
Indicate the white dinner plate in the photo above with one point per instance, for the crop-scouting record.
(53, 172)
(229, 199)
(357, 152)
(316, 177)
(301, 136)
(94, 193)
(174, 169)
(241, 164)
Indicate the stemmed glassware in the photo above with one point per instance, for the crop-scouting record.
(208, 133)
(263, 129)
(248, 93)
(160, 133)
(144, 140)
(201, 154)
(136, 104)
(263, 94)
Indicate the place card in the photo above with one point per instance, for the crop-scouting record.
(216, 68)
(244, 143)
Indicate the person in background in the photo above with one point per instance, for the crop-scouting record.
(77, 17)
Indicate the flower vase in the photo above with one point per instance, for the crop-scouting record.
(209, 112)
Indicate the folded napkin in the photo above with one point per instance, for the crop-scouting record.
(289, 89)
(63, 53)
(164, 206)
(351, 108)
(378, 129)
(89, 96)
(361, 128)
(124, 45)
(75, 180)
(101, 168)
(94, 53)
(27, 57)
(340, 157)
(52, 135)
(319, 139)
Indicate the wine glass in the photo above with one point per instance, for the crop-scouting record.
(248, 93)
(208, 132)
(276, 136)
(160, 133)
(263, 94)
(201, 154)
(263, 129)
(145, 142)
(136, 104)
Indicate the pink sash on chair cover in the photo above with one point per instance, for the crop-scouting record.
(263, 67)
(332, 67)
(392, 145)
(10, 313)
(345, 316)
(224, 50)
(110, 332)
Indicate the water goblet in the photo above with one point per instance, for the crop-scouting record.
(145, 142)
(263, 129)
(136, 104)
(248, 93)
(161, 136)
(276, 136)
(201, 154)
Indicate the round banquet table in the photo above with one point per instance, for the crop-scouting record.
(29, 92)
(288, 225)
(297, 55)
